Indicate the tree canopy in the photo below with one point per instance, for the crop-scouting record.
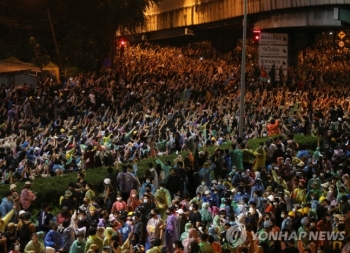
(85, 29)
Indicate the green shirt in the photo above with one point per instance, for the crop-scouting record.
(206, 248)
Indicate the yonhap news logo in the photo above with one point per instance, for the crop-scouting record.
(236, 235)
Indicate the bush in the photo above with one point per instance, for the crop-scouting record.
(49, 190)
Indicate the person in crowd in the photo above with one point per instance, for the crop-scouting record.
(34, 246)
(79, 244)
(25, 229)
(53, 238)
(27, 196)
(93, 239)
(163, 101)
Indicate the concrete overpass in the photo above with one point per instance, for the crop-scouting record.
(175, 18)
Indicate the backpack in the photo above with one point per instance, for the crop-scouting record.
(24, 233)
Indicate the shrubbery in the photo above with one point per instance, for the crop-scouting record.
(49, 190)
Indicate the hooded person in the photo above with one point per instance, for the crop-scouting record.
(240, 194)
(184, 235)
(314, 180)
(192, 237)
(163, 200)
(202, 188)
(260, 154)
(258, 186)
(41, 236)
(108, 233)
(171, 234)
(214, 232)
(132, 201)
(206, 215)
(217, 223)
(317, 154)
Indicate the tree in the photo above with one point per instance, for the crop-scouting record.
(40, 59)
(85, 29)
(89, 38)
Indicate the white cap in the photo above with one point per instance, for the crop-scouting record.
(271, 198)
(107, 181)
(214, 182)
(21, 212)
(207, 192)
(180, 211)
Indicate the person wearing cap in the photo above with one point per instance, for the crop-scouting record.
(109, 194)
(67, 200)
(27, 196)
(15, 197)
(10, 236)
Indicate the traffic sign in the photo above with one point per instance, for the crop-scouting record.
(341, 43)
(341, 35)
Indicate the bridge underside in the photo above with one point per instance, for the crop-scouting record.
(298, 19)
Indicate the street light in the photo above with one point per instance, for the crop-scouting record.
(241, 111)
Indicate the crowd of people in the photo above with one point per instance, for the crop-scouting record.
(159, 100)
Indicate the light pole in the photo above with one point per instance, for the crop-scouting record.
(241, 108)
